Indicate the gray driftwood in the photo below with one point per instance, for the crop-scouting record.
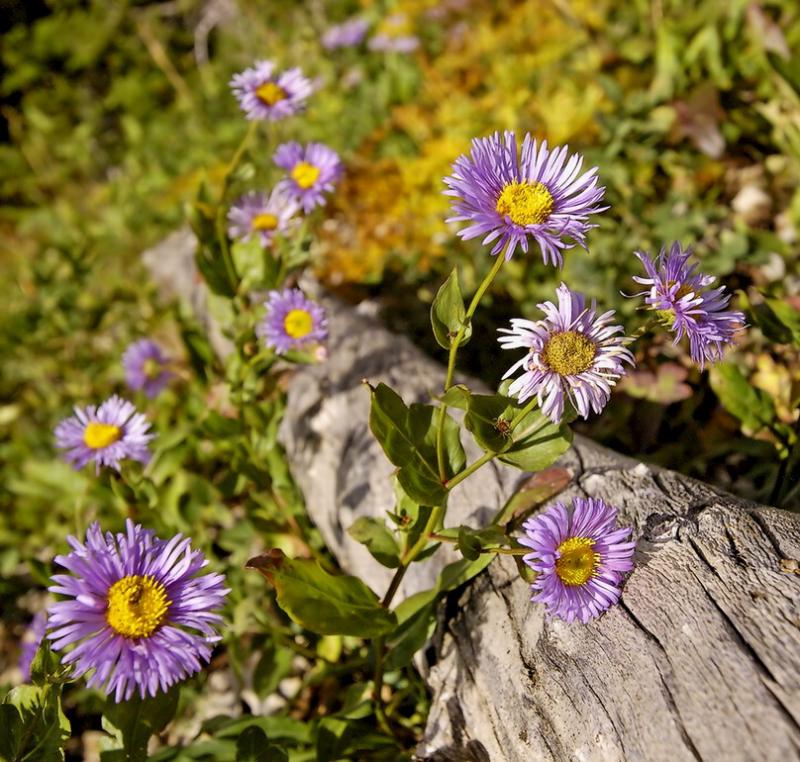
(700, 661)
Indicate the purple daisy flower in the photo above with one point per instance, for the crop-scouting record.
(292, 321)
(572, 354)
(262, 215)
(313, 170)
(579, 558)
(264, 93)
(681, 297)
(507, 198)
(146, 367)
(30, 643)
(106, 434)
(139, 614)
(345, 35)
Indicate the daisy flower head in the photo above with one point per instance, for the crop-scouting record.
(681, 297)
(345, 35)
(579, 557)
(509, 197)
(106, 434)
(146, 367)
(264, 93)
(313, 171)
(256, 214)
(573, 354)
(140, 615)
(292, 321)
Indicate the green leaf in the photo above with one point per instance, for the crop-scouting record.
(137, 719)
(469, 543)
(535, 442)
(321, 602)
(538, 443)
(788, 316)
(378, 540)
(252, 745)
(751, 406)
(770, 324)
(46, 666)
(448, 314)
(40, 728)
(408, 437)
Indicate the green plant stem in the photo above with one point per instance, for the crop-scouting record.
(503, 551)
(380, 642)
(451, 360)
(645, 327)
(780, 477)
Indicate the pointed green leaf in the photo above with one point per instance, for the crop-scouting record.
(137, 719)
(321, 602)
(41, 729)
(788, 316)
(448, 313)
(751, 406)
(378, 540)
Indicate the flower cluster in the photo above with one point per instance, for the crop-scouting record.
(511, 195)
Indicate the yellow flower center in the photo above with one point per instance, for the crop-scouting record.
(151, 368)
(99, 435)
(136, 606)
(569, 353)
(525, 203)
(270, 93)
(264, 221)
(298, 323)
(578, 562)
(305, 174)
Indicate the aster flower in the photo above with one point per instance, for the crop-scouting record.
(345, 35)
(139, 614)
(30, 642)
(146, 367)
(508, 198)
(262, 215)
(681, 298)
(106, 434)
(573, 354)
(292, 321)
(313, 170)
(579, 558)
(264, 93)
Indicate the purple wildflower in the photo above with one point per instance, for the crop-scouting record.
(30, 643)
(679, 295)
(572, 354)
(313, 170)
(106, 434)
(146, 367)
(262, 215)
(292, 321)
(507, 198)
(579, 558)
(264, 93)
(139, 613)
(345, 35)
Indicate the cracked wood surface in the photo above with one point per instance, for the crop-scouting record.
(700, 660)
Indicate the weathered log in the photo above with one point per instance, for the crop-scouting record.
(701, 660)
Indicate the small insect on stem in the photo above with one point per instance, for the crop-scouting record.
(502, 426)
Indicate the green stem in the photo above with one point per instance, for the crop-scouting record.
(394, 586)
(451, 360)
